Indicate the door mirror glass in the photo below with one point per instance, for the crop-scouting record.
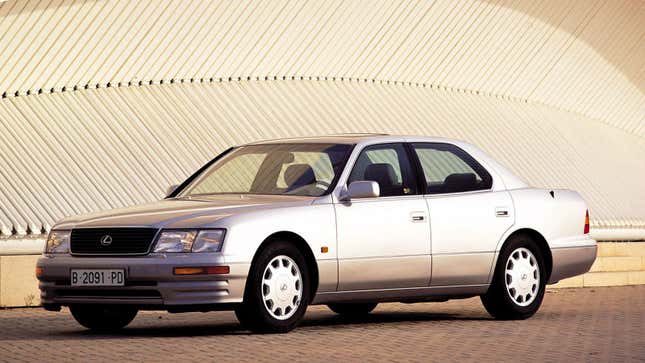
(363, 189)
(171, 189)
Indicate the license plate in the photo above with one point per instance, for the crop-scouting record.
(115, 277)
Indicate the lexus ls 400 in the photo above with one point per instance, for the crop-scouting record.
(268, 228)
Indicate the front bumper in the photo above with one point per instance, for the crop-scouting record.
(569, 261)
(149, 281)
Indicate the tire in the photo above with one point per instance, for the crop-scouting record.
(517, 295)
(352, 309)
(277, 290)
(103, 318)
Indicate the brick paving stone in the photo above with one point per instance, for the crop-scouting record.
(591, 324)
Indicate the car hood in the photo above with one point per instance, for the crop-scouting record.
(182, 213)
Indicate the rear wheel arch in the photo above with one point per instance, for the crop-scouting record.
(539, 240)
(302, 245)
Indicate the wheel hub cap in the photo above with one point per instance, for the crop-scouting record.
(522, 276)
(282, 287)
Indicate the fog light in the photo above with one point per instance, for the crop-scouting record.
(205, 270)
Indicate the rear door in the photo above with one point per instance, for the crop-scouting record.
(467, 217)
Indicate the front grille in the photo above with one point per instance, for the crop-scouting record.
(123, 241)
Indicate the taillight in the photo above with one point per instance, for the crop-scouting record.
(587, 222)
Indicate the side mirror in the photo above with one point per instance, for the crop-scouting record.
(363, 189)
(171, 189)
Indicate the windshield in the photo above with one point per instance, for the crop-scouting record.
(277, 169)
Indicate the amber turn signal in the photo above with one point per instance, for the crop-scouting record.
(204, 270)
(587, 222)
(39, 272)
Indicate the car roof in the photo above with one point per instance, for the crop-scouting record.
(352, 139)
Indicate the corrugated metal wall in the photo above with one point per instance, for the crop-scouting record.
(554, 89)
(584, 56)
(73, 152)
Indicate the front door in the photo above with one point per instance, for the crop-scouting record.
(384, 242)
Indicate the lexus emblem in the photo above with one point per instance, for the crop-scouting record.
(106, 240)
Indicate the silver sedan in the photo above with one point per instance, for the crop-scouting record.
(268, 228)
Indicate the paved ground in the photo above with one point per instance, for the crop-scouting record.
(600, 324)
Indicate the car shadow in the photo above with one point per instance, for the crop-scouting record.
(312, 322)
(152, 331)
(385, 317)
(309, 323)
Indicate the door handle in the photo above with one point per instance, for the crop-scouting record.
(418, 216)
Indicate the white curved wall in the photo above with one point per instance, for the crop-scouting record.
(105, 103)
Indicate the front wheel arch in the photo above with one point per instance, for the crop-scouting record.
(541, 242)
(302, 246)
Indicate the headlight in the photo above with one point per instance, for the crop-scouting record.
(207, 240)
(57, 242)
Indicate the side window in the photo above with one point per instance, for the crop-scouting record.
(449, 169)
(388, 165)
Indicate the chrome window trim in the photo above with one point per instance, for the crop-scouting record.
(341, 185)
